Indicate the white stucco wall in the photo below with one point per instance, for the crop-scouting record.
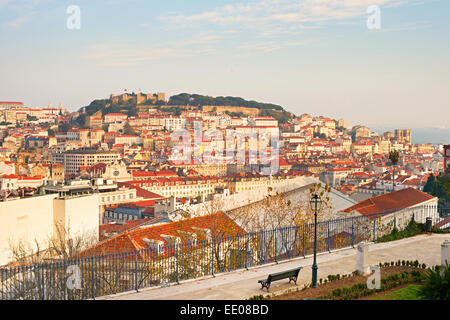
(79, 215)
(25, 220)
(30, 219)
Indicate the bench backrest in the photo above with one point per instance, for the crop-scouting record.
(284, 274)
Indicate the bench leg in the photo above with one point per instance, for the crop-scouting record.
(265, 285)
(293, 279)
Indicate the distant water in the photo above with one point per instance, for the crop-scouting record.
(423, 135)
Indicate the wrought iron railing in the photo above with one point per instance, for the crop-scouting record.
(90, 277)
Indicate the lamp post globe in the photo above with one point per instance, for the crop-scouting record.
(315, 203)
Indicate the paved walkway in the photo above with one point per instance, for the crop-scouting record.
(243, 284)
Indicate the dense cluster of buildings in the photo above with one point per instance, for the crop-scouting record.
(118, 172)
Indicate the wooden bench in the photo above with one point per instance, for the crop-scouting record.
(291, 274)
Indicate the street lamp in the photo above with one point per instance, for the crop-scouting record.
(316, 204)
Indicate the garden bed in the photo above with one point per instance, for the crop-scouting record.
(355, 286)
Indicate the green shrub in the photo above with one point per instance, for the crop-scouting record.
(413, 228)
(257, 297)
(437, 284)
(336, 292)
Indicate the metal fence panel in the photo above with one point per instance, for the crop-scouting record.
(90, 277)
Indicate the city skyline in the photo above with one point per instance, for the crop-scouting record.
(308, 56)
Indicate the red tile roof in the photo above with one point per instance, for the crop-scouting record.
(219, 224)
(142, 192)
(10, 102)
(390, 202)
(161, 173)
(110, 228)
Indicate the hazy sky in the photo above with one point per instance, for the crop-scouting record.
(313, 56)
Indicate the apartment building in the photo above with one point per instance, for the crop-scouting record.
(74, 159)
(263, 121)
(335, 176)
(360, 148)
(115, 117)
(246, 181)
(173, 123)
(180, 187)
(127, 139)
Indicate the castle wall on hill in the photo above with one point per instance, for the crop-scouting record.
(138, 98)
(245, 110)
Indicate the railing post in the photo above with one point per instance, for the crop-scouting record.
(2, 289)
(329, 236)
(374, 221)
(245, 255)
(275, 237)
(64, 285)
(353, 243)
(212, 258)
(135, 271)
(176, 255)
(92, 277)
(41, 281)
(303, 246)
(265, 246)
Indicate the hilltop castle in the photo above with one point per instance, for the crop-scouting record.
(139, 98)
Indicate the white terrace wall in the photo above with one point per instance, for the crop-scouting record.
(34, 219)
(420, 211)
(25, 220)
(78, 215)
